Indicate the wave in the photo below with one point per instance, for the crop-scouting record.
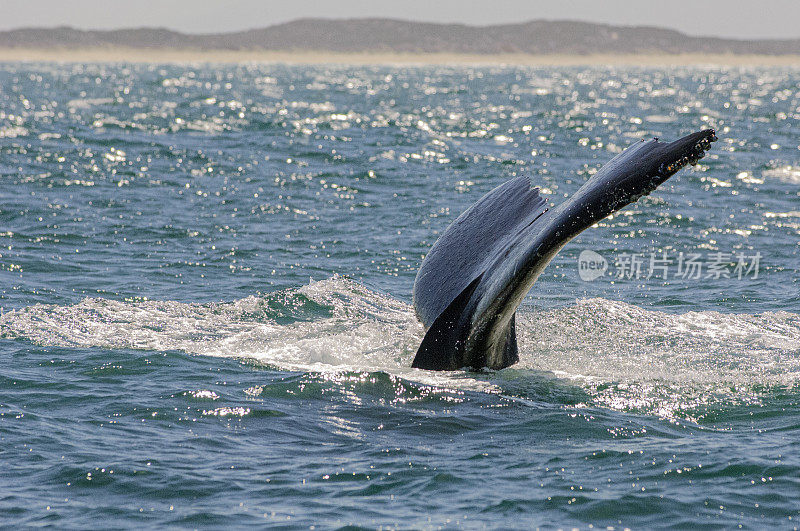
(686, 365)
(621, 356)
(786, 174)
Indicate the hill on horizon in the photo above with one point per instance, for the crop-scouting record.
(374, 35)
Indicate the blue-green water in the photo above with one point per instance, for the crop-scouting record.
(205, 279)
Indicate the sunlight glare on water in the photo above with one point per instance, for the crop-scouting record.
(205, 299)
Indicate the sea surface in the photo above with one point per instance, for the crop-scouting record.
(206, 275)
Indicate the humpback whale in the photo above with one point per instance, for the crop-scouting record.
(471, 282)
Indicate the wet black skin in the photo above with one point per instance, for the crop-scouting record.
(469, 320)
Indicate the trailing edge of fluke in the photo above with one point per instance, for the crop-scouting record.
(482, 266)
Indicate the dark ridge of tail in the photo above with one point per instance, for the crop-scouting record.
(442, 348)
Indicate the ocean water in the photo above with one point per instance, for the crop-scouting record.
(206, 275)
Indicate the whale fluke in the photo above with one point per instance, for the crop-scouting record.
(482, 266)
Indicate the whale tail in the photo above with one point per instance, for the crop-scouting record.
(455, 265)
(443, 346)
(482, 266)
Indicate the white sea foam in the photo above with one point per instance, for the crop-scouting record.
(614, 341)
(88, 103)
(360, 330)
(625, 357)
(786, 174)
(669, 365)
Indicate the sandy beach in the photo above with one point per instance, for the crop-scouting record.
(143, 55)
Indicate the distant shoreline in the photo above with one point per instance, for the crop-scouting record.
(166, 55)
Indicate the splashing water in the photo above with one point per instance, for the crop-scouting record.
(625, 357)
(136, 196)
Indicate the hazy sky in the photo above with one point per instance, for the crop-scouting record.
(729, 18)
